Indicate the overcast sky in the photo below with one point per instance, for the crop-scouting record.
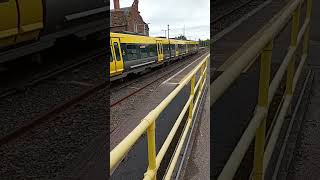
(193, 14)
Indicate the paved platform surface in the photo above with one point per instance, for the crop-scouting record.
(306, 158)
(305, 163)
(135, 163)
(199, 161)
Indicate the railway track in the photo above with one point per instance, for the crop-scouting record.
(49, 94)
(49, 115)
(51, 122)
(230, 11)
(153, 81)
(50, 74)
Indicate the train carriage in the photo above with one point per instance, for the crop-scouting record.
(135, 53)
(29, 26)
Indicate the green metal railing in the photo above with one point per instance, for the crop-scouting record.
(148, 124)
(263, 46)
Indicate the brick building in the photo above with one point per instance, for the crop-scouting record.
(127, 19)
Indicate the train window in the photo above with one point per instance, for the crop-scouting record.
(172, 47)
(152, 50)
(117, 50)
(143, 51)
(132, 53)
(111, 58)
(166, 48)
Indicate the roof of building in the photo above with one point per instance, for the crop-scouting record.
(118, 17)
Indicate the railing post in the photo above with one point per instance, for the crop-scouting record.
(307, 33)
(206, 66)
(201, 76)
(265, 64)
(294, 38)
(309, 8)
(193, 82)
(151, 133)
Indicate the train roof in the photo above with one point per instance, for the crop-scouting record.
(130, 38)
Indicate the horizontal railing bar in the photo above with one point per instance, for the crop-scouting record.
(183, 137)
(218, 87)
(276, 130)
(303, 30)
(238, 153)
(198, 97)
(279, 74)
(283, 67)
(150, 173)
(299, 69)
(199, 81)
(126, 144)
(178, 149)
(197, 86)
(169, 138)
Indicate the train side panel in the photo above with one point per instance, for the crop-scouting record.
(9, 22)
(141, 52)
(31, 20)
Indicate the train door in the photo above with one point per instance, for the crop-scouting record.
(30, 19)
(187, 50)
(116, 61)
(160, 51)
(177, 49)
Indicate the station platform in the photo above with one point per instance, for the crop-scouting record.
(232, 112)
(130, 113)
(302, 155)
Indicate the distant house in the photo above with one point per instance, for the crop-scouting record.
(127, 19)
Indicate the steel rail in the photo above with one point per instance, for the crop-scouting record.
(47, 116)
(230, 11)
(35, 81)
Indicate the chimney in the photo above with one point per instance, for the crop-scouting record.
(116, 4)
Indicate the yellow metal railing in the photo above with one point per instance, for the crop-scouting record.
(263, 46)
(148, 124)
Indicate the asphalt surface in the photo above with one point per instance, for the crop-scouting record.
(198, 162)
(305, 162)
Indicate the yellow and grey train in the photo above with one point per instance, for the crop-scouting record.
(28, 26)
(135, 53)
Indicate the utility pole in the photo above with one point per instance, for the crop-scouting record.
(168, 32)
(169, 42)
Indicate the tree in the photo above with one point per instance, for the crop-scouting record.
(182, 37)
